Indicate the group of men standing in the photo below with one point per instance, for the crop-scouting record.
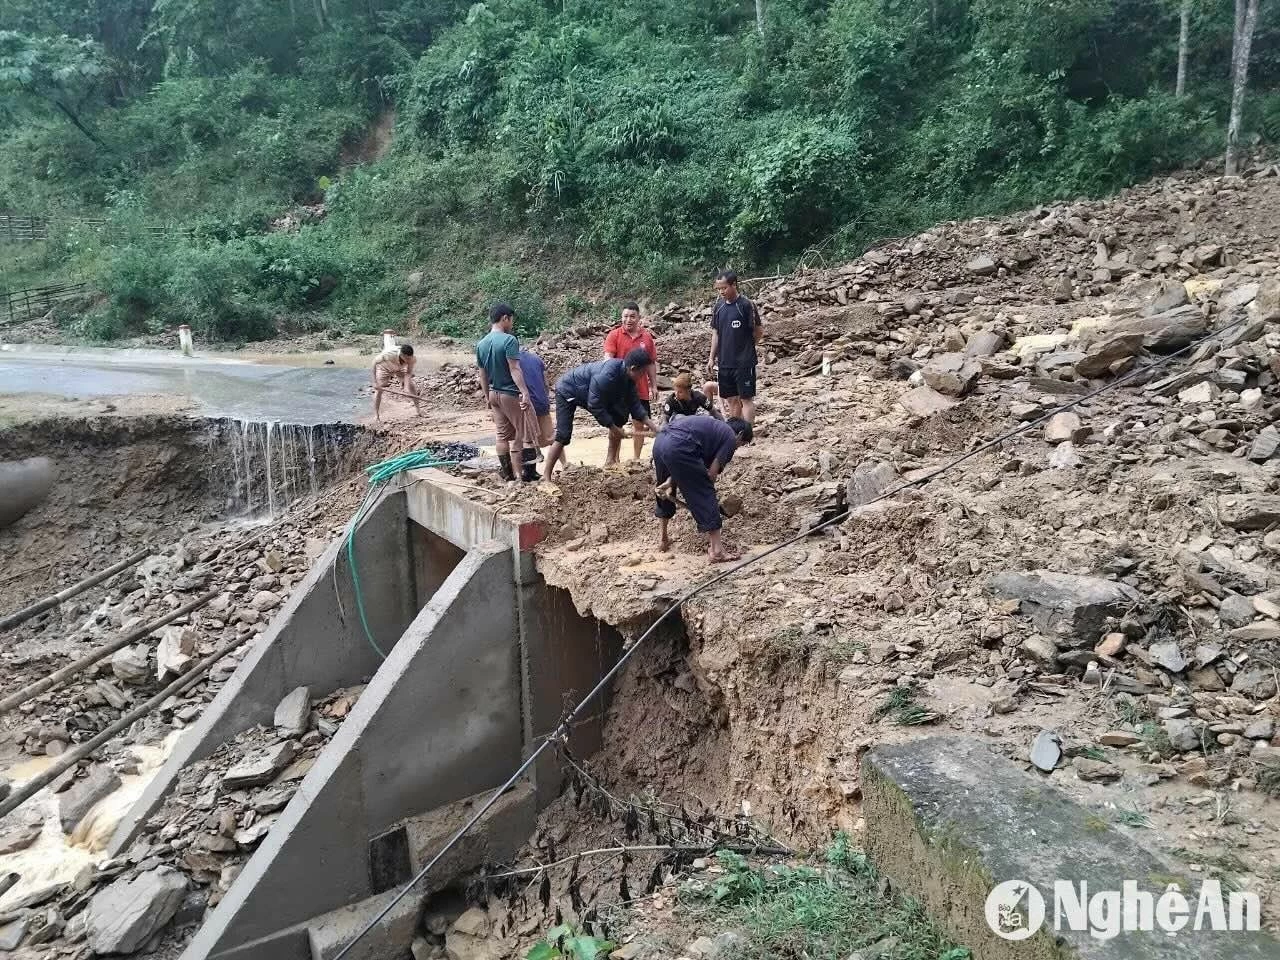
(693, 445)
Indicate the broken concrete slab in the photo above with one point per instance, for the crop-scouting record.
(84, 794)
(125, 915)
(1067, 605)
(948, 821)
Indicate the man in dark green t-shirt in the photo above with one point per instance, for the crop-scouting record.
(498, 358)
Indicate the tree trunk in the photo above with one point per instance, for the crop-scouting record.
(1183, 48)
(1246, 21)
(760, 17)
(70, 115)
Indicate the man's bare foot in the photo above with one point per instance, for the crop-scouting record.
(724, 556)
(664, 545)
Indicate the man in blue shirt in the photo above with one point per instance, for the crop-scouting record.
(498, 358)
(688, 456)
(535, 379)
(607, 388)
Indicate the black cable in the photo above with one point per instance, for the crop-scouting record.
(562, 731)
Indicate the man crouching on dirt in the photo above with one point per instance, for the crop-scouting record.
(688, 456)
(607, 388)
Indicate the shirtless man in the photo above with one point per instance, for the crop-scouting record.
(390, 366)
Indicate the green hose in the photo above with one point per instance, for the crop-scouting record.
(379, 474)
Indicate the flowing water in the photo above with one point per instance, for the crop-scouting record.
(56, 858)
(274, 464)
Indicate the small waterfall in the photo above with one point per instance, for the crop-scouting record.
(264, 466)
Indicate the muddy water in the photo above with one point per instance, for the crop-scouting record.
(56, 858)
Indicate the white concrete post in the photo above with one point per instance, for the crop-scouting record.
(184, 340)
(389, 340)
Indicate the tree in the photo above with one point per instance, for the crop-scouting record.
(1184, 31)
(57, 70)
(1242, 40)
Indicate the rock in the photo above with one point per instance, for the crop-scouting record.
(111, 693)
(982, 265)
(5, 788)
(1064, 426)
(870, 479)
(76, 802)
(925, 402)
(1064, 604)
(1095, 771)
(1041, 649)
(293, 712)
(1046, 751)
(19, 830)
(1184, 735)
(984, 343)
(1168, 331)
(1168, 655)
(1257, 683)
(1236, 611)
(1025, 412)
(1119, 738)
(1266, 304)
(260, 768)
(731, 505)
(1265, 443)
(1251, 399)
(11, 934)
(1263, 728)
(952, 374)
(264, 600)
(126, 914)
(468, 938)
(1100, 357)
(1206, 678)
(1112, 645)
(176, 651)
(1249, 511)
(1169, 299)
(630, 951)
(1061, 290)
(1205, 392)
(1064, 457)
(704, 948)
(131, 664)
(1241, 296)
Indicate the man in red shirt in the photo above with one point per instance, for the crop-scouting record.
(622, 339)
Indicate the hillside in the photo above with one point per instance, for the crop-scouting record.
(271, 167)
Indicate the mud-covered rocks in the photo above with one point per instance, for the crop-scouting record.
(1076, 608)
(77, 801)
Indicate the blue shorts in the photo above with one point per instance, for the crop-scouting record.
(737, 382)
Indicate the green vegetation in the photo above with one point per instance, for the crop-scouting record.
(568, 942)
(543, 150)
(822, 912)
(901, 706)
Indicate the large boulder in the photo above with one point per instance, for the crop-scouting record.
(1065, 605)
(23, 484)
(1168, 331)
(84, 795)
(952, 374)
(128, 913)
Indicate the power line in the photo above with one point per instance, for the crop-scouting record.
(562, 731)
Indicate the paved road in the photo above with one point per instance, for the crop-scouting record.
(217, 387)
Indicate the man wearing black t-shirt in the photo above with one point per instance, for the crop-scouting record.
(735, 331)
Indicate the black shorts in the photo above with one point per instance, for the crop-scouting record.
(737, 382)
(648, 409)
(565, 408)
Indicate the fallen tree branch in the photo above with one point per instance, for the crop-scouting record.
(657, 848)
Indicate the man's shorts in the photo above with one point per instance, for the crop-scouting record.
(565, 409)
(508, 418)
(737, 382)
(648, 409)
(546, 432)
(385, 376)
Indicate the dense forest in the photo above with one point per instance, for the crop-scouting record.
(555, 151)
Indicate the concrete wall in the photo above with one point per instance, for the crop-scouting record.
(309, 642)
(440, 721)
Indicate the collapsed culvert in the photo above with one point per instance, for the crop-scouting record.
(215, 523)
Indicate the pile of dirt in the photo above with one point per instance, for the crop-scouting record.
(1107, 575)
